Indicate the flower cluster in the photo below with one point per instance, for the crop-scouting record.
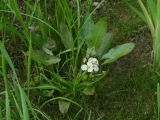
(92, 65)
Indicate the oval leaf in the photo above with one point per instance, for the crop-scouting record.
(43, 58)
(89, 91)
(96, 33)
(104, 45)
(117, 52)
(66, 38)
(63, 106)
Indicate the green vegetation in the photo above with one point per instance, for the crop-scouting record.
(57, 62)
(152, 18)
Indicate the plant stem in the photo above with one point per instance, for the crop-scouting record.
(29, 64)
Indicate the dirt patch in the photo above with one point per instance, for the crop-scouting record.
(140, 56)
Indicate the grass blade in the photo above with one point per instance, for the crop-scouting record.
(148, 17)
(24, 105)
(157, 39)
(7, 100)
(153, 10)
(1, 114)
(137, 12)
(158, 100)
(7, 58)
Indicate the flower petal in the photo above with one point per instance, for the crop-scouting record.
(84, 67)
(89, 64)
(90, 69)
(96, 68)
(95, 61)
(90, 59)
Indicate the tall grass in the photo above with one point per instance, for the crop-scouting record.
(17, 104)
(151, 16)
(54, 45)
(15, 96)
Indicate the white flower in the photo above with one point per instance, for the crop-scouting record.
(94, 61)
(84, 67)
(91, 66)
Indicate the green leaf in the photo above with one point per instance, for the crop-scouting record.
(1, 114)
(63, 106)
(96, 33)
(148, 17)
(43, 58)
(42, 27)
(86, 30)
(37, 40)
(89, 91)
(158, 8)
(47, 51)
(49, 46)
(104, 45)
(24, 104)
(12, 29)
(1, 25)
(100, 30)
(153, 9)
(8, 107)
(90, 52)
(52, 60)
(47, 87)
(117, 52)
(47, 93)
(66, 37)
(158, 100)
(137, 12)
(8, 59)
(157, 39)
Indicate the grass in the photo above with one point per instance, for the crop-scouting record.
(124, 94)
(129, 95)
(36, 91)
(150, 15)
